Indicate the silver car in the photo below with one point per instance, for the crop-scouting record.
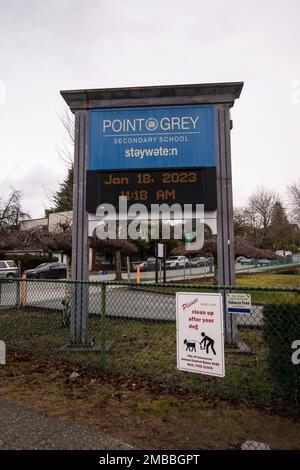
(177, 262)
(8, 269)
(201, 261)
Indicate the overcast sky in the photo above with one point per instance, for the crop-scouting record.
(50, 45)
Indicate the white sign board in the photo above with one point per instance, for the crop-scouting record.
(200, 336)
(238, 303)
(160, 250)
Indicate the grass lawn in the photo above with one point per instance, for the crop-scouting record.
(148, 349)
(135, 391)
(142, 413)
(261, 280)
(269, 280)
(143, 349)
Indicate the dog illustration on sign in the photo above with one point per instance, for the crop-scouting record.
(205, 344)
(190, 345)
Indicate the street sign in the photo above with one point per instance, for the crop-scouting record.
(238, 303)
(200, 336)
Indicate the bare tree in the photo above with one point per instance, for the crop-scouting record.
(37, 238)
(294, 200)
(66, 152)
(260, 212)
(11, 212)
(62, 199)
(240, 222)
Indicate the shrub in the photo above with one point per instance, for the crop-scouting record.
(281, 327)
(290, 271)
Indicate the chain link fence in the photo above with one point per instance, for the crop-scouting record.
(131, 330)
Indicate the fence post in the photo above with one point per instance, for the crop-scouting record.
(103, 326)
(18, 285)
(138, 274)
(211, 262)
(23, 290)
(128, 268)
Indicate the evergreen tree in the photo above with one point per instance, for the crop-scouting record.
(63, 198)
(280, 229)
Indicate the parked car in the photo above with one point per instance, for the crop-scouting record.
(176, 262)
(245, 261)
(8, 269)
(48, 271)
(263, 262)
(197, 262)
(284, 253)
(148, 265)
(134, 264)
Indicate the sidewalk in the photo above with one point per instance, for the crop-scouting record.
(24, 428)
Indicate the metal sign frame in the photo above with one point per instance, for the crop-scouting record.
(222, 96)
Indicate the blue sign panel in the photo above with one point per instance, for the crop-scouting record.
(156, 137)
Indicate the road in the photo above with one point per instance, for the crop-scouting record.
(174, 274)
(121, 302)
(190, 273)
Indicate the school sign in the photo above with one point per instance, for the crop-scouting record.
(153, 145)
(127, 148)
(153, 138)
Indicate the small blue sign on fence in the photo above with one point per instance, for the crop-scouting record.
(154, 137)
(238, 303)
